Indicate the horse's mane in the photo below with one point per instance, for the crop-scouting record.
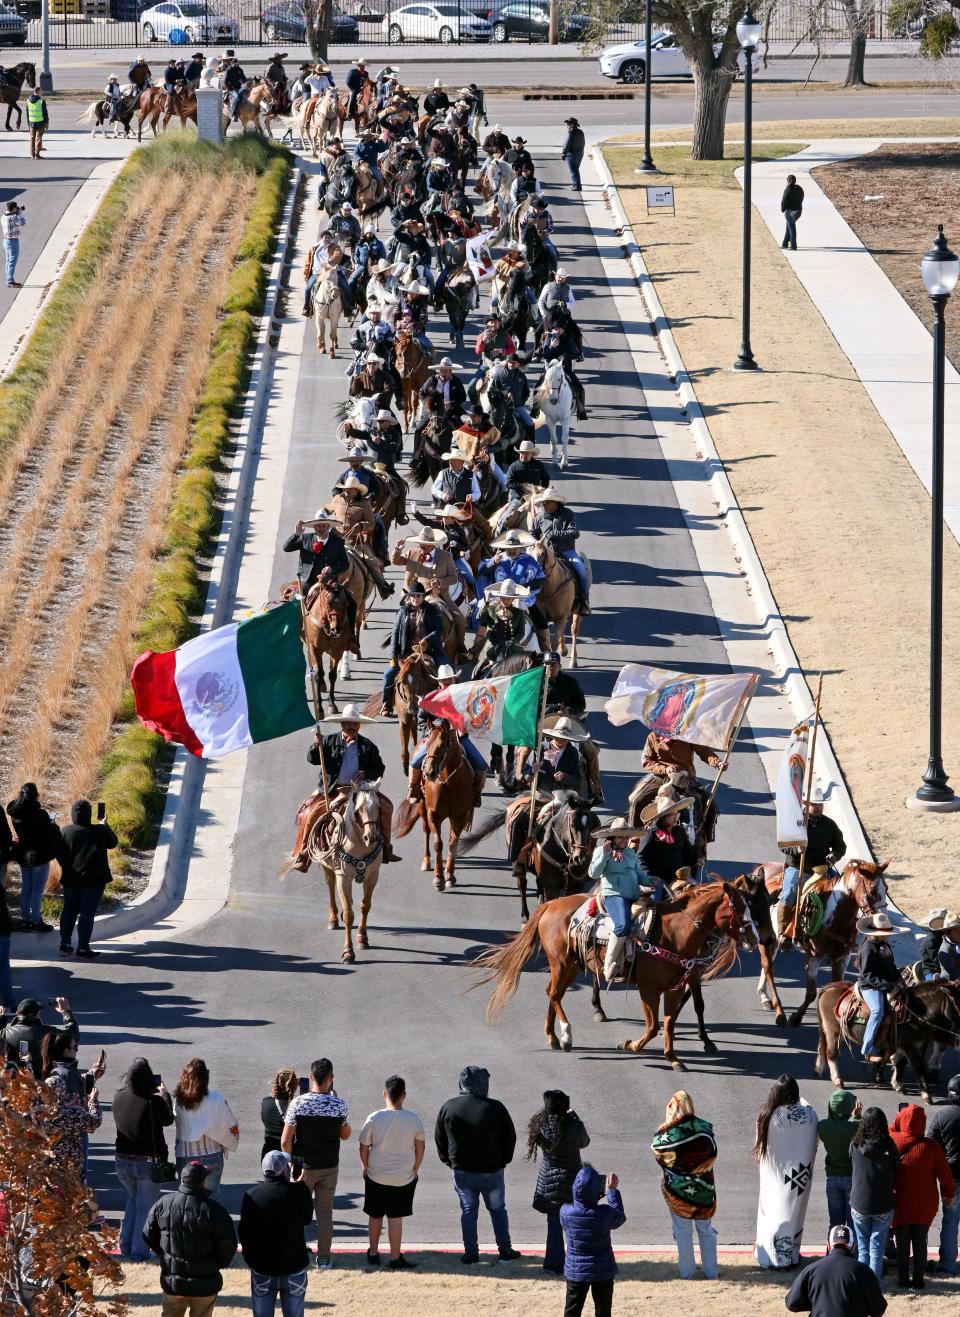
(724, 957)
(511, 664)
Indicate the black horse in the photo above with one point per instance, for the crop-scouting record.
(514, 308)
(100, 112)
(11, 85)
(538, 258)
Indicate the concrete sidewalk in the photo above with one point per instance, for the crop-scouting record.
(887, 345)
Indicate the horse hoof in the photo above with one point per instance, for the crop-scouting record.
(711, 1048)
(348, 957)
(333, 923)
(566, 1045)
(600, 1018)
(766, 1005)
(438, 884)
(363, 941)
(624, 1047)
(425, 866)
(781, 1020)
(555, 1042)
(678, 1065)
(795, 1020)
(449, 882)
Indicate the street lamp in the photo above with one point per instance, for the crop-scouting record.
(748, 34)
(646, 165)
(939, 268)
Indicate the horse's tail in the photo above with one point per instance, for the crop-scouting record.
(503, 965)
(418, 469)
(89, 115)
(408, 812)
(486, 828)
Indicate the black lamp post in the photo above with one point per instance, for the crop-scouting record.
(940, 268)
(748, 34)
(646, 165)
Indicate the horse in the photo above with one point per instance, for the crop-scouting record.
(558, 597)
(931, 1016)
(498, 179)
(357, 413)
(327, 631)
(149, 107)
(11, 85)
(554, 397)
(257, 98)
(365, 110)
(361, 585)
(413, 368)
(183, 104)
(98, 112)
(685, 925)
(351, 853)
(460, 296)
(431, 439)
(447, 796)
(860, 890)
(538, 258)
(557, 851)
(371, 194)
(327, 307)
(514, 309)
(416, 676)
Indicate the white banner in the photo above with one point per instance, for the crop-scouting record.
(791, 828)
(681, 705)
(478, 256)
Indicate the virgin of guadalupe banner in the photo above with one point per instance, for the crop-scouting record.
(681, 705)
(791, 827)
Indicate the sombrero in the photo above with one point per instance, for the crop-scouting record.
(664, 804)
(507, 590)
(566, 729)
(351, 714)
(514, 539)
(549, 495)
(453, 455)
(429, 535)
(351, 482)
(877, 925)
(935, 920)
(617, 827)
(322, 518)
(454, 513)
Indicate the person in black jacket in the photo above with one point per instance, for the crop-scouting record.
(234, 82)
(348, 756)
(573, 148)
(791, 206)
(878, 974)
(475, 1137)
(874, 1161)
(23, 1035)
(285, 1087)
(195, 1239)
(668, 847)
(141, 1110)
(837, 1285)
(418, 620)
(85, 873)
(559, 1134)
(273, 1217)
(564, 693)
(944, 1127)
(319, 546)
(38, 838)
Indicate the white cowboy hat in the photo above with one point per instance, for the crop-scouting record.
(445, 361)
(617, 827)
(431, 535)
(528, 447)
(877, 925)
(554, 719)
(351, 714)
(566, 729)
(507, 590)
(816, 796)
(372, 357)
(382, 266)
(446, 673)
(549, 495)
(935, 920)
(417, 289)
(451, 510)
(453, 455)
(514, 539)
(383, 414)
(322, 518)
(346, 208)
(351, 482)
(561, 273)
(664, 804)
(437, 82)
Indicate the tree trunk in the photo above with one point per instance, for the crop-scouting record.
(857, 23)
(310, 23)
(711, 91)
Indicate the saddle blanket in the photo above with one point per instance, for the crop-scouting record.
(590, 924)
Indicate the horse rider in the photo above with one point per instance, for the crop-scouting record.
(672, 760)
(948, 957)
(456, 482)
(562, 768)
(453, 521)
(276, 79)
(432, 562)
(348, 758)
(439, 179)
(319, 80)
(407, 208)
(366, 253)
(112, 95)
(517, 154)
(345, 226)
(373, 337)
(138, 75)
(558, 346)
(510, 263)
(478, 107)
(524, 185)
(502, 625)
(445, 677)
(556, 525)
(667, 853)
(411, 241)
(436, 100)
(385, 441)
(556, 290)
(525, 474)
(444, 381)
(369, 149)
(353, 509)
(622, 885)
(564, 693)
(380, 292)
(496, 140)
(387, 74)
(419, 621)
(317, 261)
(356, 456)
(323, 554)
(478, 431)
(194, 71)
(878, 974)
(493, 342)
(825, 845)
(234, 82)
(355, 79)
(518, 388)
(172, 74)
(298, 88)
(335, 181)
(511, 562)
(928, 965)
(538, 217)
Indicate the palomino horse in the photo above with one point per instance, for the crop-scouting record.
(554, 397)
(11, 85)
(931, 1016)
(317, 120)
(558, 851)
(416, 677)
(685, 926)
(328, 631)
(327, 306)
(413, 368)
(860, 890)
(558, 597)
(258, 98)
(371, 195)
(351, 852)
(447, 796)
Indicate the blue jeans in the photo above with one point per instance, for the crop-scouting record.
(11, 251)
(471, 1186)
(137, 1180)
(473, 756)
(79, 907)
(292, 1290)
(706, 1238)
(874, 999)
(33, 879)
(573, 168)
(555, 1255)
(838, 1200)
(214, 1164)
(948, 1237)
(523, 416)
(6, 978)
(466, 571)
(577, 563)
(618, 908)
(872, 1233)
(790, 237)
(791, 883)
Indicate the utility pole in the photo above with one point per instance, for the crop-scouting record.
(553, 27)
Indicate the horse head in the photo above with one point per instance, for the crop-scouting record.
(554, 378)
(362, 816)
(417, 672)
(580, 823)
(733, 918)
(330, 607)
(866, 884)
(30, 75)
(363, 411)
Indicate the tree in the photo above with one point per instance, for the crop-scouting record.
(934, 21)
(318, 19)
(858, 14)
(52, 1263)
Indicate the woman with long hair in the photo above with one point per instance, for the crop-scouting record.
(141, 1109)
(785, 1151)
(285, 1087)
(686, 1149)
(559, 1134)
(38, 839)
(207, 1129)
(874, 1161)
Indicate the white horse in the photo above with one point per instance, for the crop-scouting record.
(327, 306)
(499, 176)
(554, 397)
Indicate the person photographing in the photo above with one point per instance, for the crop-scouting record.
(13, 221)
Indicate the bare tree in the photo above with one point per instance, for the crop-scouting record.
(858, 14)
(318, 20)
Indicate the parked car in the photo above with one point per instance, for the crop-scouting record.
(369, 10)
(443, 22)
(13, 28)
(284, 21)
(627, 62)
(198, 22)
(530, 19)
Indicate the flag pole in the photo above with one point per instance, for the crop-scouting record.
(536, 749)
(315, 687)
(731, 739)
(809, 791)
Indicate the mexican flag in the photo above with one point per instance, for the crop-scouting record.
(228, 688)
(502, 709)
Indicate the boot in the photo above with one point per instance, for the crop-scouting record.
(479, 778)
(614, 951)
(415, 786)
(785, 918)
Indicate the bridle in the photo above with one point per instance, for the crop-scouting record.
(434, 763)
(573, 846)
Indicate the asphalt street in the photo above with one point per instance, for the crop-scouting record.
(45, 188)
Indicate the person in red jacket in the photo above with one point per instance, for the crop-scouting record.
(923, 1166)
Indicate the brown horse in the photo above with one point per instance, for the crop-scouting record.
(413, 369)
(328, 631)
(365, 111)
(860, 890)
(558, 597)
(371, 195)
(259, 98)
(447, 795)
(416, 676)
(685, 926)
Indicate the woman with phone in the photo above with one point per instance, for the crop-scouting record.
(77, 1113)
(142, 1108)
(283, 1090)
(38, 839)
(86, 871)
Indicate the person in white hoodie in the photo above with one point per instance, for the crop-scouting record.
(207, 1130)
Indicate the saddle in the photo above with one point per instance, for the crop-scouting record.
(850, 1008)
(591, 928)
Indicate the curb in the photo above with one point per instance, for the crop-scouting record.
(168, 884)
(786, 667)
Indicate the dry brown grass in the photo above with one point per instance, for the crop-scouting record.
(802, 129)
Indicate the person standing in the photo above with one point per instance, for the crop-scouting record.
(283, 1090)
(476, 1138)
(38, 838)
(26, 1031)
(923, 1166)
(785, 1151)
(686, 1148)
(7, 999)
(590, 1267)
(195, 1239)
(944, 1127)
(791, 207)
(874, 1159)
(559, 1134)
(878, 975)
(273, 1217)
(207, 1130)
(392, 1144)
(574, 146)
(835, 1132)
(838, 1284)
(313, 1129)
(13, 221)
(85, 872)
(142, 1108)
(38, 118)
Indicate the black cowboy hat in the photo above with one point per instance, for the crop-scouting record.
(277, 55)
(572, 120)
(521, 140)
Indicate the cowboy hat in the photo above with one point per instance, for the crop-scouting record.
(528, 447)
(415, 587)
(877, 925)
(446, 673)
(816, 796)
(276, 55)
(383, 414)
(417, 289)
(617, 827)
(549, 495)
(664, 804)
(382, 266)
(321, 518)
(351, 714)
(453, 455)
(521, 140)
(371, 356)
(566, 729)
(351, 482)
(935, 920)
(429, 535)
(445, 361)
(451, 510)
(437, 82)
(358, 450)
(560, 273)
(572, 120)
(514, 539)
(507, 590)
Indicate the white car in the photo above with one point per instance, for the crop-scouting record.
(198, 22)
(627, 63)
(445, 22)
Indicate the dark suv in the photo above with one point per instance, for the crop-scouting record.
(530, 19)
(283, 21)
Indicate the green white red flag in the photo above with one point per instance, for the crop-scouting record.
(501, 709)
(681, 705)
